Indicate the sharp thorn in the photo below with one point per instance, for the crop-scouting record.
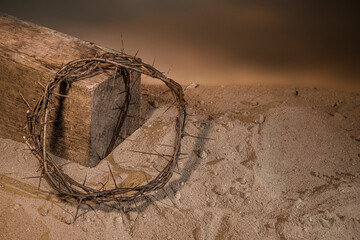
(112, 174)
(153, 61)
(77, 209)
(189, 135)
(136, 53)
(26, 102)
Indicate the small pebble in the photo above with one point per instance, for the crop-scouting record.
(43, 211)
(298, 203)
(118, 220)
(340, 216)
(202, 102)
(182, 183)
(254, 103)
(240, 147)
(204, 125)
(233, 191)
(324, 223)
(132, 215)
(154, 104)
(261, 119)
(16, 206)
(315, 174)
(229, 126)
(220, 190)
(241, 180)
(193, 85)
(244, 195)
(212, 204)
(202, 154)
(177, 195)
(69, 220)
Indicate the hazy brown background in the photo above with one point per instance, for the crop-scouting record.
(313, 43)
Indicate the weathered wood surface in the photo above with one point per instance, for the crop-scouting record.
(84, 121)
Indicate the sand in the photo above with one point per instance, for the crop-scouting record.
(258, 163)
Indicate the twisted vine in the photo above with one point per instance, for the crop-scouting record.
(37, 127)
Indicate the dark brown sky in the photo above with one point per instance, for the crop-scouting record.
(297, 42)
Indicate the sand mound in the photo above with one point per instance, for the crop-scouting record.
(257, 163)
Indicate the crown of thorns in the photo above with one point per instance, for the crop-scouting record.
(37, 124)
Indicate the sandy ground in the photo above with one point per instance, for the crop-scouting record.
(257, 163)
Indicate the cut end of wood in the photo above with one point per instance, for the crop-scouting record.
(83, 120)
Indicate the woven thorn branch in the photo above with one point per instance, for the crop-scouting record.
(37, 125)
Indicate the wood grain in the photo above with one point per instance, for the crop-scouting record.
(84, 121)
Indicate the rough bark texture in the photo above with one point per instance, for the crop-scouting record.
(84, 121)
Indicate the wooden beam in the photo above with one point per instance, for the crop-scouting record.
(85, 120)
